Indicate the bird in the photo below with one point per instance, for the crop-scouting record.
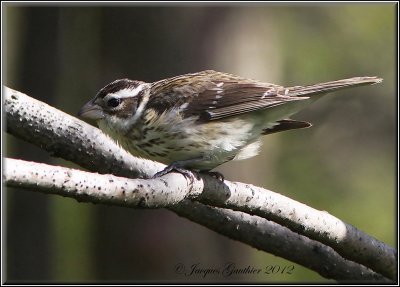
(198, 121)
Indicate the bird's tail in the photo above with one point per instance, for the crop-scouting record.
(308, 94)
(328, 87)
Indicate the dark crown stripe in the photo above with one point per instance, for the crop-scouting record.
(116, 86)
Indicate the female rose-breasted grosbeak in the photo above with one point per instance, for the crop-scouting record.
(201, 120)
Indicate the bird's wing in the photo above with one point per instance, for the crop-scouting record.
(213, 95)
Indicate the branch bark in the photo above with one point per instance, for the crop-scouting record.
(63, 135)
(156, 193)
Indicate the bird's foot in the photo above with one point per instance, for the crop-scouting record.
(214, 174)
(191, 175)
(175, 166)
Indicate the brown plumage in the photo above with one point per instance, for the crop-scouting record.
(204, 119)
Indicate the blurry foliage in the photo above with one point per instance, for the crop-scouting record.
(352, 142)
(345, 164)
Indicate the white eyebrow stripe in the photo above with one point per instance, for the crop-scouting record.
(139, 110)
(129, 93)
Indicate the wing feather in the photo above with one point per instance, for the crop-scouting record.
(214, 95)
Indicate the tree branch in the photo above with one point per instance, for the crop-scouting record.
(347, 240)
(67, 137)
(156, 193)
(62, 135)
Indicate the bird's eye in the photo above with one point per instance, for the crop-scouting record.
(113, 102)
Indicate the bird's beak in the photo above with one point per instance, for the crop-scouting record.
(91, 111)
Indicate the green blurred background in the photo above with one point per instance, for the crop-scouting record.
(345, 164)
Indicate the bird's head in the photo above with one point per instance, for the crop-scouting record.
(118, 105)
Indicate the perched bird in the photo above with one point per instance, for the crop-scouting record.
(201, 120)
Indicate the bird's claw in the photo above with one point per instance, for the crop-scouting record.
(190, 175)
(215, 174)
(173, 167)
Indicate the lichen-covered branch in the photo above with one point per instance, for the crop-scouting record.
(77, 141)
(344, 238)
(99, 188)
(156, 193)
(67, 137)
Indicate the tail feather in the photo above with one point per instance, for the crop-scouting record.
(327, 87)
(285, 125)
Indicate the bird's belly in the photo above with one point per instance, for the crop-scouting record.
(197, 146)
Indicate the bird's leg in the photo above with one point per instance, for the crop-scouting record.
(178, 166)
